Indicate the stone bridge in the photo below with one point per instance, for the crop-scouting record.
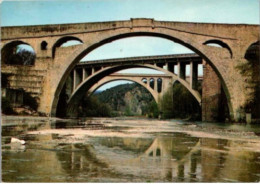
(54, 63)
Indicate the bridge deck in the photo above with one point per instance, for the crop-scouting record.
(174, 58)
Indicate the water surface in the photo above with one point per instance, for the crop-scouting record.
(124, 151)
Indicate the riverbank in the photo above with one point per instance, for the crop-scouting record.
(143, 125)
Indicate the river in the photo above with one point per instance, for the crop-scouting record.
(129, 150)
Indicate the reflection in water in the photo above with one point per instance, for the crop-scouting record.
(161, 157)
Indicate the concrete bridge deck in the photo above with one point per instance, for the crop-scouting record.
(173, 58)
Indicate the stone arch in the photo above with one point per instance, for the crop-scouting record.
(72, 60)
(151, 91)
(252, 51)
(63, 40)
(220, 43)
(9, 50)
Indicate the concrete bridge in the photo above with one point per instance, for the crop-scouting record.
(80, 79)
(53, 65)
(156, 84)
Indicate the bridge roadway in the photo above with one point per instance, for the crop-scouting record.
(158, 59)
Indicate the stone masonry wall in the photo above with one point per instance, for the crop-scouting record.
(211, 94)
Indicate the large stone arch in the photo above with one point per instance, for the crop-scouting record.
(82, 88)
(193, 42)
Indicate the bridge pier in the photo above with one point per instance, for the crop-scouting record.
(156, 85)
(182, 70)
(193, 75)
(83, 73)
(213, 107)
(77, 77)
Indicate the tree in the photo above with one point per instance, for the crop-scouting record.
(27, 57)
(166, 104)
(92, 107)
(178, 102)
(153, 110)
(22, 57)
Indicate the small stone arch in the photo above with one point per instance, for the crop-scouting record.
(220, 43)
(10, 54)
(62, 41)
(144, 80)
(252, 52)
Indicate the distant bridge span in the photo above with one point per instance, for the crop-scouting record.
(88, 76)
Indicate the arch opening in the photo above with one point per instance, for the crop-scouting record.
(18, 53)
(159, 85)
(219, 43)
(66, 42)
(151, 83)
(86, 85)
(116, 97)
(87, 50)
(144, 80)
(44, 45)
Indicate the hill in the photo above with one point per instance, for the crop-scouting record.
(126, 99)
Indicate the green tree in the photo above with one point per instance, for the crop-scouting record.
(166, 104)
(128, 111)
(153, 110)
(178, 102)
(92, 107)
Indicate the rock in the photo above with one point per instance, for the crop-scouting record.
(15, 140)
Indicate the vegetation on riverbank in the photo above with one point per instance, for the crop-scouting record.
(122, 100)
(178, 102)
(134, 100)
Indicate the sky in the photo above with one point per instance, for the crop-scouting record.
(37, 12)
(74, 11)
